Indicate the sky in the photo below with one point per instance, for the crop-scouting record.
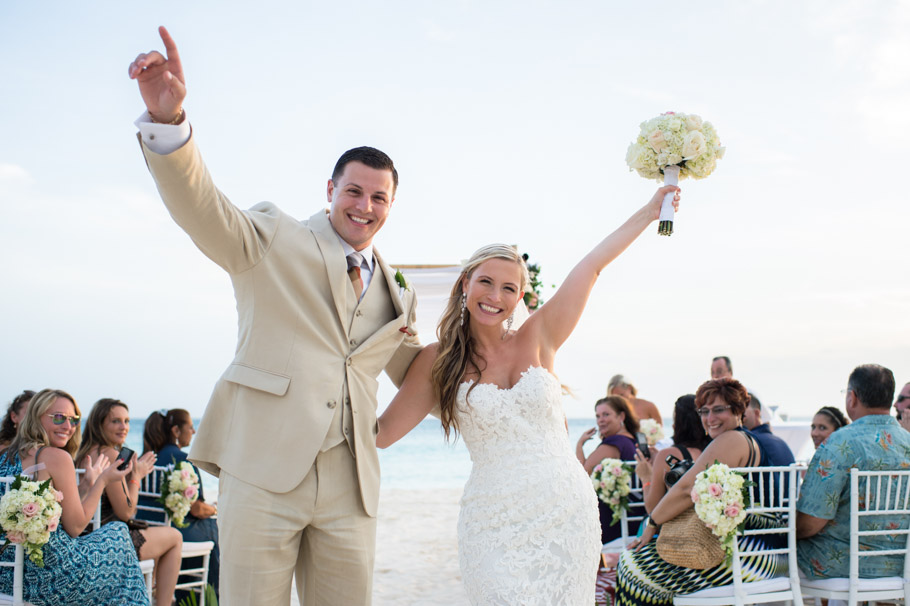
(508, 122)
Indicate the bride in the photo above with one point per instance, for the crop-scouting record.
(528, 531)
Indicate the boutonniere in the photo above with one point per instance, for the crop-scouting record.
(402, 283)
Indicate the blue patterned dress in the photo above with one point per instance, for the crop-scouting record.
(99, 568)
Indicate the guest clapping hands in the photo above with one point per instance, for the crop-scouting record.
(100, 568)
(106, 430)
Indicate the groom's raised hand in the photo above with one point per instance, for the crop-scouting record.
(161, 81)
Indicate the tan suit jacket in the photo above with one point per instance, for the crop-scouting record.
(304, 345)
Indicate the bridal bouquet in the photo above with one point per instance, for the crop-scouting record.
(721, 496)
(612, 482)
(29, 513)
(654, 433)
(674, 146)
(179, 491)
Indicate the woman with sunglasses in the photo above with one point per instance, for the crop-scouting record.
(99, 568)
(106, 429)
(643, 577)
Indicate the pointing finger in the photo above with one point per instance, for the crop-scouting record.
(173, 56)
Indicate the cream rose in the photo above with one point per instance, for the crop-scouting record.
(694, 145)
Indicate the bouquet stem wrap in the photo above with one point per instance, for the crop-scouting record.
(671, 177)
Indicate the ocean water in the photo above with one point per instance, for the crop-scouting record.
(423, 459)
(420, 460)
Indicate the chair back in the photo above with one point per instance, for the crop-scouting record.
(18, 562)
(879, 507)
(96, 518)
(773, 537)
(636, 512)
(151, 510)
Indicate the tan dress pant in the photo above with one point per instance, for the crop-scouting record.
(319, 531)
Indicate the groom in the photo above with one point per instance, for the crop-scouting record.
(290, 427)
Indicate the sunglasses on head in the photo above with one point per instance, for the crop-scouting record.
(60, 418)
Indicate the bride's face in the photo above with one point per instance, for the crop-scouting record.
(493, 291)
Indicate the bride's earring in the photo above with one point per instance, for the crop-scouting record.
(464, 306)
(509, 325)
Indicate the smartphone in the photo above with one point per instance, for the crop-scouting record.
(126, 454)
(642, 443)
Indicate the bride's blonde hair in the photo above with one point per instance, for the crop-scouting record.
(456, 346)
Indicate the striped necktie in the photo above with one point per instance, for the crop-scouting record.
(354, 261)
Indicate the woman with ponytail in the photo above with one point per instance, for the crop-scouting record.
(166, 433)
(528, 531)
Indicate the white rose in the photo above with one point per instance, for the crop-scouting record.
(719, 154)
(693, 122)
(694, 145)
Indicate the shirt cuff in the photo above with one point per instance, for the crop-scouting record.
(162, 138)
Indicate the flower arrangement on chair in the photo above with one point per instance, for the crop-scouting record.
(612, 480)
(29, 512)
(179, 491)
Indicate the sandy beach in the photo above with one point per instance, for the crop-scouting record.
(416, 549)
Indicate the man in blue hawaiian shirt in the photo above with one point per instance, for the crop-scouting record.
(873, 442)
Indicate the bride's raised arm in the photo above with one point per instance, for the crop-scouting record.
(557, 319)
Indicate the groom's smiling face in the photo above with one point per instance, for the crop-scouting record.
(360, 201)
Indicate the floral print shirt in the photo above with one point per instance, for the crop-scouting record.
(872, 443)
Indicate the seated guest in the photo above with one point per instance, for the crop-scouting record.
(778, 451)
(99, 568)
(616, 423)
(166, 432)
(643, 577)
(902, 402)
(721, 368)
(14, 414)
(620, 386)
(873, 441)
(825, 422)
(689, 439)
(106, 429)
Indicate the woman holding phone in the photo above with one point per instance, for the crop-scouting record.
(106, 429)
(617, 425)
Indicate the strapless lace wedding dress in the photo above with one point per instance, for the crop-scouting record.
(528, 531)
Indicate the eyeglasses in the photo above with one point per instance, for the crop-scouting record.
(717, 410)
(60, 418)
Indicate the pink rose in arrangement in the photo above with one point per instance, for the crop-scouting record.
(732, 510)
(58, 495)
(53, 523)
(185, 473)
(694, 495)
(715, 490)
(30, 509)
(16, 536)
(617, 471)
(190, 492)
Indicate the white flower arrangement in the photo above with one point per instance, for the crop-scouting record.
(612, 480)
(674, 146)
(29, 512)
(653, 431)
(179, 491)
(721, 497)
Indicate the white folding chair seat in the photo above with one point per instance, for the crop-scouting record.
(886, 498)
(636, 513)
(775, 496)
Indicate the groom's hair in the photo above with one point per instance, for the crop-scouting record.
(369, 156)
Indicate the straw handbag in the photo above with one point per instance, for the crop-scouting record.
(686, 541)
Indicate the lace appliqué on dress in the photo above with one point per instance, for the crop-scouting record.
(528, 531)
